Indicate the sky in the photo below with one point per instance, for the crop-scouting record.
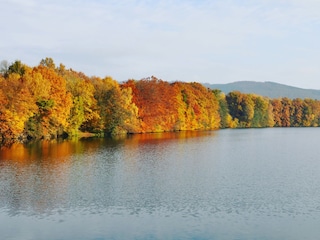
(206, 41)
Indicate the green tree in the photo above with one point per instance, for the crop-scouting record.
(223, 109)
(84, 108)
(17, 67)
(48, 62)
(308, 115)
(113, 113)
(263, 116)
(241, 107)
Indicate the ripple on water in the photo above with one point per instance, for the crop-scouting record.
(226, 185)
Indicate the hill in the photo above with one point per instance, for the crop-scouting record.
(268, 89)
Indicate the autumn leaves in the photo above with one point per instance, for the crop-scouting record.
(48, 101)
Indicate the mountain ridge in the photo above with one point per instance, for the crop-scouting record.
(267, 89)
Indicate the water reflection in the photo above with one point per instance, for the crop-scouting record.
(225, 185)
(45, 177)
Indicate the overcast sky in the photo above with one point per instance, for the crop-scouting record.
(214, 41)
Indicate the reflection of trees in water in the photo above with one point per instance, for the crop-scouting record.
(7, 143)
(168, 136)
(48, 176)
(45, 177)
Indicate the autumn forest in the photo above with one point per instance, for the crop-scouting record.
(49, 101)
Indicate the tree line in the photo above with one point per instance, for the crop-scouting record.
(49, 101)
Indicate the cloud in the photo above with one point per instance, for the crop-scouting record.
(186, 40)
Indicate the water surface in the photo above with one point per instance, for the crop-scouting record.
(226, 184)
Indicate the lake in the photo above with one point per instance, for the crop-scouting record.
(226, 184)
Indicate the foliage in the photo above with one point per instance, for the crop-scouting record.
(241, 107)
(115, 107)
(46, 101)
(173, 107)
(156, 103)
(48, 62)
(84, 109)
(263, 116)
(16, 67)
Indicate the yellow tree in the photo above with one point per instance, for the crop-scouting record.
(84, 108)
(112, 106)
(53, 100)
(198, 107)
(132, 123)
(4, 125)
(17, 106)
(263, 116)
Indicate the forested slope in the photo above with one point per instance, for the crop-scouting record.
(267, 89)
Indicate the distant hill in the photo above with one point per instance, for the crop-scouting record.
(268, 89)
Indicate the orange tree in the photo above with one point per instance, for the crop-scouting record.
(156, 102)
